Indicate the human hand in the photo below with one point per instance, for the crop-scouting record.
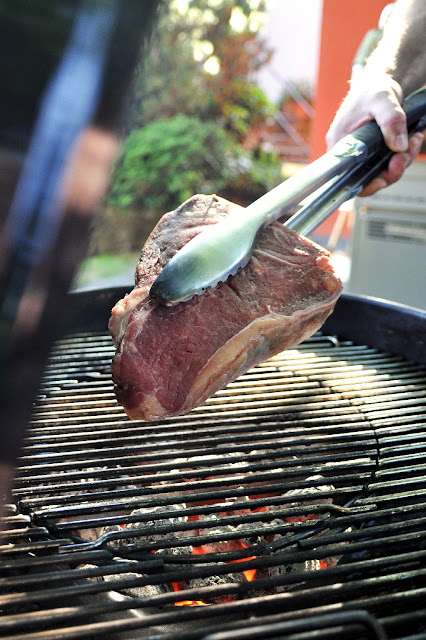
(378, 98)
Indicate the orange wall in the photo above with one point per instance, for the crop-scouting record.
(344, 25)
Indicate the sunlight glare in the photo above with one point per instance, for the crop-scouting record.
(212, 65)
(181, 6)
(202, 49)
(238, 20)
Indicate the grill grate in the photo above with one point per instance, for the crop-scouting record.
(295, 497)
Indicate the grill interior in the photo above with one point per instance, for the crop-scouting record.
(290, 505)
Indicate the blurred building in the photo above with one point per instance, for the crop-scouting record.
(314, 44)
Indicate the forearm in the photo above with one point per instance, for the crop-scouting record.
(401, 52)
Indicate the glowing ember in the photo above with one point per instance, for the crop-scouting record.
(221, 538)
(250, 574)
(177, 586)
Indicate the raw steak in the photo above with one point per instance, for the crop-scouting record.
(170, 359)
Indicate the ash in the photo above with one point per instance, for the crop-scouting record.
(214, 581)
(222, 531)
(285, 570)
(313, 491)
(154, 523)
(305, 497)
(176, 551)
(93, 533)
(142, 591)
(143, 524)
(220, 460)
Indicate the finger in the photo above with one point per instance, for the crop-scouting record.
(414, 145)
(400, 161)
(375, 185)
(397, 165)
(391, 119)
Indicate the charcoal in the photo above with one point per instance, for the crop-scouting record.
(154, 523)
(176, 551)
(256, 538)
(142, 591)
(214, 581)
(277, 571)
(99, 578)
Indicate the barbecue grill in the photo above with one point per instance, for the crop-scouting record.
(290, 505)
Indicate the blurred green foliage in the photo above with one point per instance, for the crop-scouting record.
(105, 266)
(245, 107)
(170, 160)
(193, 108)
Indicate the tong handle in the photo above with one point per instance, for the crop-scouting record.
(376, 157)
(327, 200)
(415, 110)
(354, 150)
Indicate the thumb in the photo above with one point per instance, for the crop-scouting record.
(395, 132)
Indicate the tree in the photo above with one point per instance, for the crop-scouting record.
(193, 109)
(201, 62)
(169, 160)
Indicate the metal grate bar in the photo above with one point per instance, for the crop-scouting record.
(312, 459)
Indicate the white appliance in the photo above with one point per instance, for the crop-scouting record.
(389, 241)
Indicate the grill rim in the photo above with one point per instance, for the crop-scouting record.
(388, 326)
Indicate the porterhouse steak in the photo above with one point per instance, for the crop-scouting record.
(170, 359)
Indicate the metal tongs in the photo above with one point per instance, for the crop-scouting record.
(339, 175)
